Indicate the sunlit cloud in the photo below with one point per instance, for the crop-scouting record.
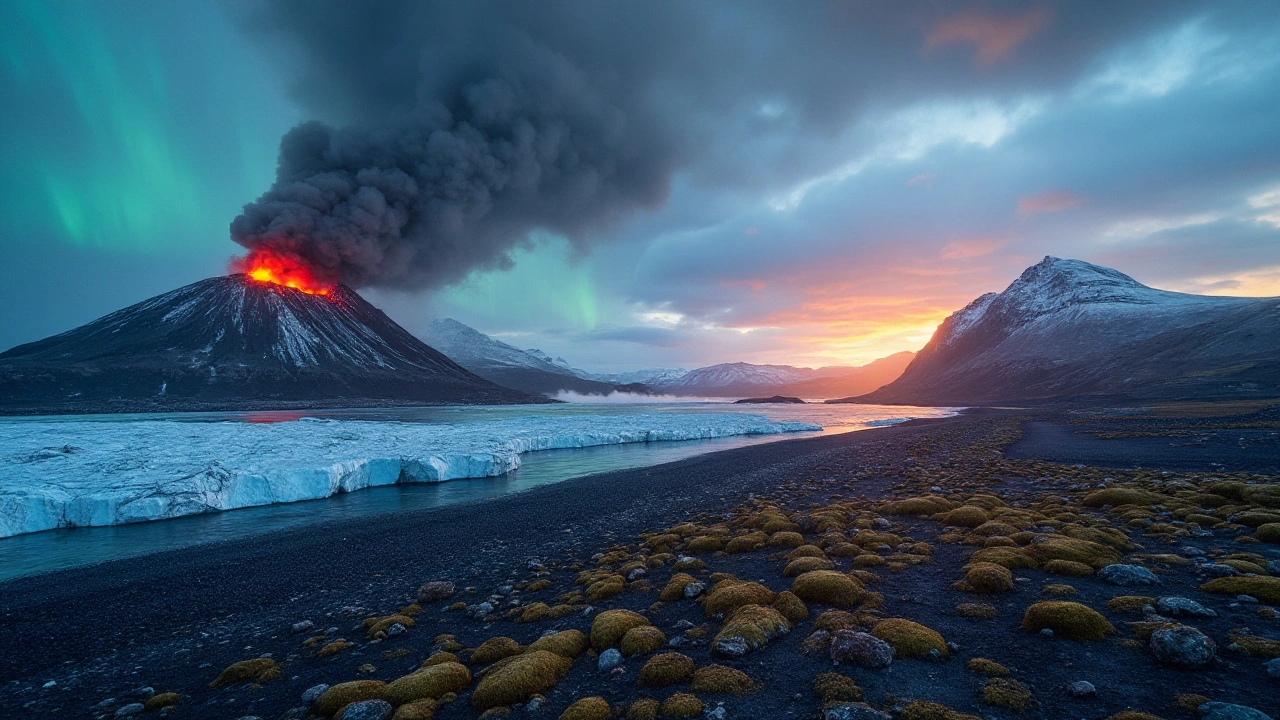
(1263, 282)
(1146, 226)
(1267, 204)
(969, 248)
(994, 37)
(1049, 202)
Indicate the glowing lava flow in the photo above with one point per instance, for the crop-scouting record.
(270, 268)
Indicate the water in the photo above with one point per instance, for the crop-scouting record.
(65, 548)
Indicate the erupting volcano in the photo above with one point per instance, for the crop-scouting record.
(269, 337)
(269, 267)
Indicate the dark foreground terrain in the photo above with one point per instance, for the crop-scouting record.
(747, 571)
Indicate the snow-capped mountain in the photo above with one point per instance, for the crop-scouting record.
(1070, 329)
(748, 380)
(650, 376)
(233, 342)
(530, 371)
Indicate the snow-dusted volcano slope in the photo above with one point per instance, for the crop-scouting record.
(80, 473)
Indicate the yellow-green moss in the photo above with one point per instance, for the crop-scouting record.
(1189, 703)
(674, 589)
(688, 564)
(910, 639)
(606, 588)
(343, 694)
(983, 666)
(537, 585)
(1130, 603)
(1121, 496)
(438, 658)
(609, 627)
(681, 705)
(828, 587)
(925, 710)
(985, 577)
(791, 607)
(1069, 568)
(1265, 495)
(1069, 620)
(1245, 566)
(588, 708)
(534, 612)
(432, 682)
(1266, 589)
(965, 516)
(807, 551)
(1090, 553)
(1012, 558)
(721, 680)
(802, 565)
(927, 505)
(373, 626)
(643, 709)
(495, 649)
(727, 598)
(642, 640)
(746, 543)
(753, 625)
(786, 538)
(566, 643)
(424, 709)
(519, 678)
(833, 687)
(1058, 590)
(868, 560)
(976, 611)
(1008, 694)
(257, 670)
(666, 669)
(163, 700)
(704, 544)
(1256, 646)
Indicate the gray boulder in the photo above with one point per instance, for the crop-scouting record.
(1227, 711)
(368, 710)
(1183, 646)
(860, 649)
(1127, 575)
(1183, 607)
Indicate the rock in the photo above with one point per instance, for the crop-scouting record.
(1183, 646)
(609, 659)
(395, 629)
(853, 711)
(1247, 599)
(716, 713)
(130, 709)
(1183, 607)
(636, 574)
(1273, 567)
(535, 703)
(302, 626)
(51, 683)
(860, 649)
(1218, 570)
(434, 591)
(105, 704)
(1227, 711)
(1189, 551)
(313, 693)
(1081, 689)
(1273, 667)
(694, 589)
(367, 710)
(1127, 575)
(1046, 632)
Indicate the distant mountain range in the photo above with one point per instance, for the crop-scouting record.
(747, 380)
(1067, 329)
(231, 343)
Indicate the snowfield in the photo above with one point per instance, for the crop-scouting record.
(74, 473)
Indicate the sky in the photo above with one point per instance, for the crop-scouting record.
(808, 184)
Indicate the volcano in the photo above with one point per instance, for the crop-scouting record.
(238, 343)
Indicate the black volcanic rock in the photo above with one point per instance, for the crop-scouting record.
(776, 399)
(235, 343)
(1067, 329)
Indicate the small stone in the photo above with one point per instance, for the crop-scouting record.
(313, 693)
(130, 709)
(716, 713)
(1127, 575)
(1189, 551)
(435, 590)
(51, 683)
(636, 574)
(1081, 689)
(105, 704)
(395, 629)
(506, 589)
(1047, 632)
(1273, 567)
(301, 627)
(1273, 667)
(367, 710)
(535, 703)
(1218, 570)
(1227, 711)
(1247, 599)
(694, 589)
(1183, 646)
(684, 625)
(1183, 607)
(145, 691)
(853, 711)
(860, 649)
(609, 659)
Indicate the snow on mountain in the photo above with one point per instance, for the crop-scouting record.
(729, 375)
(231, 342)
(650, 376)
(1067, 328)
(74, 473)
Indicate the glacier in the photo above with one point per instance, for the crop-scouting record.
(76, 473)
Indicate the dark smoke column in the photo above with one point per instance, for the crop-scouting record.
(459, 180)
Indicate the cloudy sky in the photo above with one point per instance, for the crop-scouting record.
(643, 184)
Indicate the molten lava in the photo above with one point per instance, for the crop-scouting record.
(269, 267)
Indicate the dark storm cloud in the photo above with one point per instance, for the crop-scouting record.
(454, 129)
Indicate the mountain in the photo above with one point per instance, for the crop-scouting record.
(1069, 329)
(531, 371)
(649, 376)
(235, 343)
(748, 380)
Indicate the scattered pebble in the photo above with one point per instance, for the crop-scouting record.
(313, 693)
(130, 709)
(609, 659)
(435, 591)
(1127, 575)
(367, 710)
(1081, 689)
(303, 626)
(1183, 607)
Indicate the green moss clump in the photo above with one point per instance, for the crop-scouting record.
(566, 643)
(642, 640)
(666, 669)
(1070, 568)
(927, 505)
(1012, 558)
(643, 709)
(965, 516)
(721, 680)
(828, 587)
(1090, 553)
(588, 708)
(727, 598)
(674, 589)
(334, 648)
(688, 564)
(869, 559)
(910, 639)
(1070, 620)
(833, 687)
(1008, 694)
(373, 626)
(747, 543)
(1121, 496)
(163, 700)
(681, 705)
(424, 709)
(925, 710)
(786, 538)
(257, 670)
(433, 681)
(976, 611)
(519, 678)
(1265, 495)
(606, 588)
(749, 628)
(438, 658)
(791, 607)
(704, 544)
(609, 627)
(985, 577)
(534, 612)
(1130, 603)
(1266, 589)
(1256, 646)
(983, 666)
(1058, 590)
(807, 551)
(343, 694)
(495, 649)
(833, 620)
(802, 565)
(1189, 703)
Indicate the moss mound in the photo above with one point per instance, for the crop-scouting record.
(519, 678)
(567, 643)
(1266, 589)
(968, 516)
(681, 705)
(1012, 558)
(833, 687)
(1008, 694)
(786, 538)
(983, 666)
(926, 505)
(1066, 619)
(985, 577)
(1121, 496)
(257, 670)
(791, 607)
(609, 627)
(828, 587)
(432, 682)
(746, 543)
(1265, 495)
(666, 669)
(643, 709)
(802, 565)
(1270, 532)
(495, 649)
(642, 640)
(163, 700)
(749, 628)
(417, 710)
(976, 611)
(373, 626)
(1256, 646)
(703, 544)
(925, 710)
(910, 639)
(1070, 568)
(674, 589)
(727, 598)
(343, 694)
(588, 708)
(1130, 603)
(1090, 553)
(1058, 590)
(721, 680)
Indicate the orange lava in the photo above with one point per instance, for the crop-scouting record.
(268, 267)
